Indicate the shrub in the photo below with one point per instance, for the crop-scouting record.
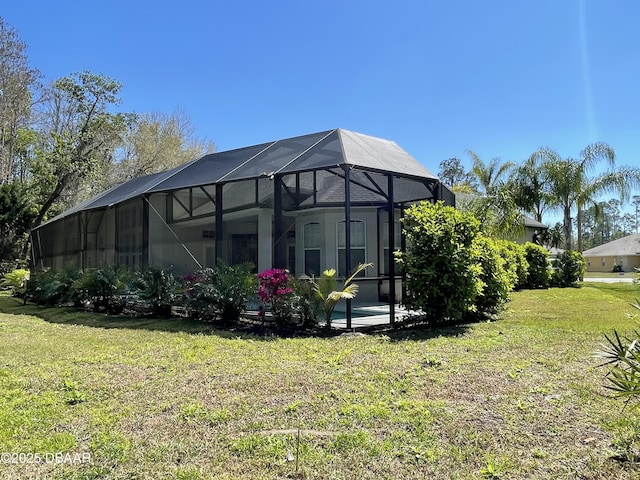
(104, 288)
(220, 292)
(498, 276)
(53, 288)
(275, 289)
(516, 257)
(537, 257)
(307, 303)
(16, 281)
(157, 289)
(441, 261)
(569, 270)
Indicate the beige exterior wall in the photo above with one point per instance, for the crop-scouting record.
(606, 263)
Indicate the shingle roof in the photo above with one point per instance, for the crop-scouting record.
(629, 245)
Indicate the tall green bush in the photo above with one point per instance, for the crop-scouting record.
(441, 261)
(569, 268)
(539, 273)
(515, 255)
(498, 274)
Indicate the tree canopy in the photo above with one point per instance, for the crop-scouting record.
(66, 140)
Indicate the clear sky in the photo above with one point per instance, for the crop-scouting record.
(499, 77)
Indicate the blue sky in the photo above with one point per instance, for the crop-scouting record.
(499, 77)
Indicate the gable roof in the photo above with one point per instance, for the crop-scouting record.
(316, 151)
(625, 246)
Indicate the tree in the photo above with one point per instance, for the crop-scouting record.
(552, 237)
(453, 174)
(17, 80)
(571, 186)
(82, 136)
(490, 175)
(529, 185)
(496, 209)
(636, 203)
(156, 142)
(17, 212)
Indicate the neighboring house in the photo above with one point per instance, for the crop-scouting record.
(624, 252)
(279, 204)
(532, 228)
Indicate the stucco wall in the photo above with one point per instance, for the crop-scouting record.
(605, 263)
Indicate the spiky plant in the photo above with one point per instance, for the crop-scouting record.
(623, 354)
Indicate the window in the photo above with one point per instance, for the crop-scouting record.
(358, 246)
(312, 241)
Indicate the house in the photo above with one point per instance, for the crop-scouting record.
(281, 204)
(532, 229)
(624, 252)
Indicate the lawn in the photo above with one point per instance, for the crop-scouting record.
(518, 398)
(633, 275)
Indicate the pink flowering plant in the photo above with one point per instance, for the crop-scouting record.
(275, 289)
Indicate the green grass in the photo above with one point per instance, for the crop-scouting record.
(519, 398)
(610, 275)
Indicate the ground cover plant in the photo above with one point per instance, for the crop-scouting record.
(522, 397)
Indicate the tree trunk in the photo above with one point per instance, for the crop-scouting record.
(43, 211)
(567, 228)
(579, 222)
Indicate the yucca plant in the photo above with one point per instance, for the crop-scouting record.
(326, 290)
(623, 354)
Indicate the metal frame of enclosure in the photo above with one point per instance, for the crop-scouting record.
(281, 204)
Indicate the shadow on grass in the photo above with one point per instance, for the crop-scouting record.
(417, 329)
(75, 316)
(410, 329)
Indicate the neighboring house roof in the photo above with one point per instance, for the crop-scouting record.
(533, 223)
(625, 246)
(316, 151)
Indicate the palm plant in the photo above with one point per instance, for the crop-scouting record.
(326, 290)
(490, 175)
(529, 184)
(496, 208)
(553, 236)
(571, 186)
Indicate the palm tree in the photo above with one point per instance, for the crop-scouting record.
(326, 290)
(528, 183)
(636, 203)
(496, 208)
(552, 237)
(490, 174)
(571, 186)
